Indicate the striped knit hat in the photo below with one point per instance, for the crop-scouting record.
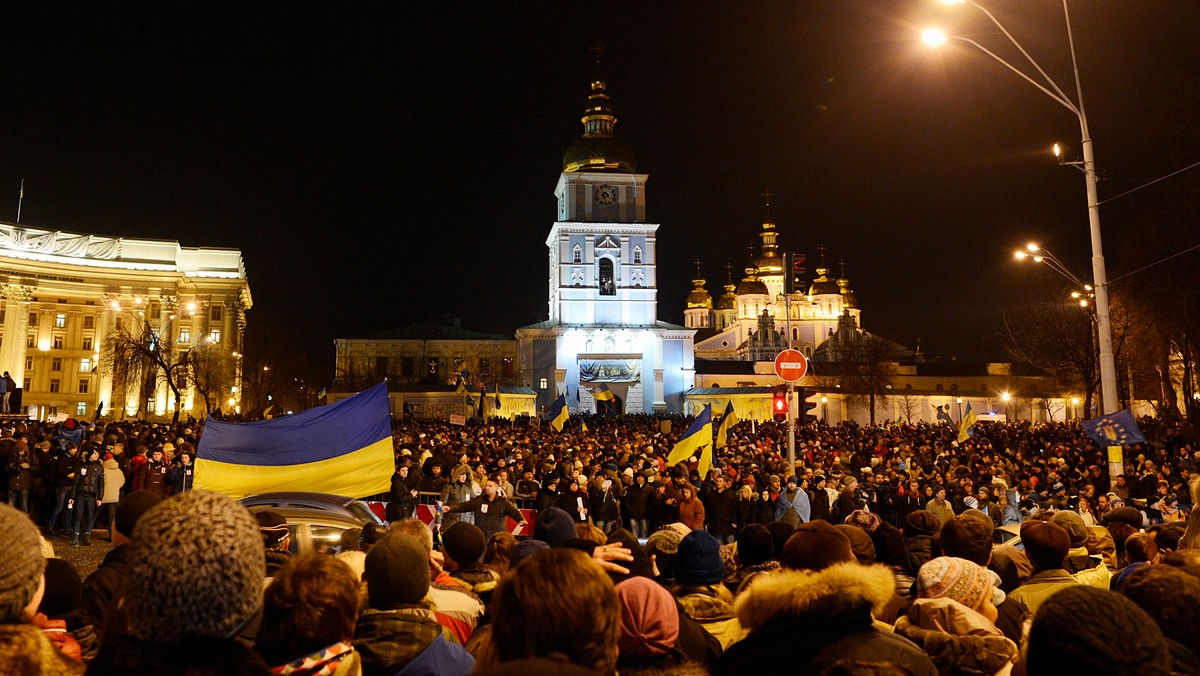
(956, 579)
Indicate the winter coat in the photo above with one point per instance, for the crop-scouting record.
(22, 465)
(25, 650)
(920, 550)
(745, 512)
(1089, 570)
(114, 479)
(958, 639)
(712, 613)
(691, 513)
(180, 477)
(89, 481)
(637, 501)
(820, 504)
(491, 514)
(811, 619)
(941, 509)
(62, 466)
(101, 588)
(721, 513)
(1041, 586)
(388, 640)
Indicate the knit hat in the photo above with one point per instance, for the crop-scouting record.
(64, 589)
(273, 528)
(958, 579)
(640, 565)
(698, 561)
(397, 571)
(816, 545)
(464, 543)
(21, 563)
(1074, 525)
(921, 522)
(525, 549)
(864, 520)
(663, 545)
(649, 618)
(860, 543)
(754, 544)
(1082, 629)
(554, 527)
(198, 562)
(1046, 544)
(131, 508)
(780, 532)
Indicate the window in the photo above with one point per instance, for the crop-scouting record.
(33, 318)
(31, 340)
(51, 411)
(608, 286)
(543, 384)
(485, 367)
(56, 364)
(637, 255)
(85, 365)
(58, 342)
(185, 335)
(216, 313)
(87, 343)
(155, 311)
(54, 385)
(83, 386)
(89, 322)
(28, 383)
(60, 321)
(81, 408)
(406, 367)
(577, 254)
(381, 367)
(215, 335)
(28, 363)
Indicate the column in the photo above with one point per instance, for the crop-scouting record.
(660, 403)
(12, 349)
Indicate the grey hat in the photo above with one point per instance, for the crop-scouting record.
(21, 563)
(199, 565)
(396, 571)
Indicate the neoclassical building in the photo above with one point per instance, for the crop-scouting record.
(603, 328)
(65, 293)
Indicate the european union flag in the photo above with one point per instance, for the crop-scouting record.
(1114, 429)
(943, 416)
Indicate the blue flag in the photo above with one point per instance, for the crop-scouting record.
(943, 416)
(1114, 429)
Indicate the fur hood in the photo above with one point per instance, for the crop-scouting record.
(832, 591)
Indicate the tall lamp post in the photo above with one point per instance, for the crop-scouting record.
(1108, 369)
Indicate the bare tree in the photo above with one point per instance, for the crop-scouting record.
(910, 405)
(1057, 338)
(210, 372)
(140, 357)
(866, 369)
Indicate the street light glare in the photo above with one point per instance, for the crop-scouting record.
(1057, 150)
(1020, 255)
(1031, 247)
(934, 37)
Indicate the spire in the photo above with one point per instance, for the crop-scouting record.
(767, 195)
(698, 298)
(599, 149)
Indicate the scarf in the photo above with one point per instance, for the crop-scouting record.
(324, 662)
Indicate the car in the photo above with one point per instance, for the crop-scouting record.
(327, 502)
(313, 529)
(1009, 534)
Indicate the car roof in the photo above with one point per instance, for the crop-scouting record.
(320, 517)
(296, 498)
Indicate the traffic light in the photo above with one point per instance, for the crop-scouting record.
(808, 406)
(793, 271)
(779, 403)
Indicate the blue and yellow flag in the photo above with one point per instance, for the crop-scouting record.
(966, 428)
(1114, 429)
(344, 448)
(725, 429)
(697, 437)
(558, 413)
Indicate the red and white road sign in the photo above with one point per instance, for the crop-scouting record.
(791, 365)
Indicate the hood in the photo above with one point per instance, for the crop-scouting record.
(111, 464)
(833, 591)
(974, 650)
(950, 616)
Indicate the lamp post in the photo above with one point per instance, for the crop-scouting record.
(960, 410)
(1108, 371)
(825, 408)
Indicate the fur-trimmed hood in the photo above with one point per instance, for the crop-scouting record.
(833, 591)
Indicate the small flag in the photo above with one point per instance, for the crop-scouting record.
(558, 413)
(497, 396)
(944, 416)
(1114, 429)
(582, 426)
(460, 386)
(267, 412)
(697, 437)
(606, 398)
(725, 429)
(966, 428)
(321, 393)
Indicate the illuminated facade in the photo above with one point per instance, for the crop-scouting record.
(603, 327)
(64, 293)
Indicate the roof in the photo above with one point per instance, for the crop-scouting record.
(717, 391)
(724, 367)
(434, 331)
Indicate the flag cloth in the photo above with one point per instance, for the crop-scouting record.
(344, 448)
(943, 416)
(460, 386)
(497, 396)
(71, 431)
(582, 426)
(697, 437)
(1114, 429)
(966, 428)
(605, 397)
(725, 430)
(558, 413)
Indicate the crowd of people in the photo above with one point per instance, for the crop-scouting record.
(888, 549)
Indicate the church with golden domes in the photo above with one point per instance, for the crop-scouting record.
(603, 331)
(755, 319)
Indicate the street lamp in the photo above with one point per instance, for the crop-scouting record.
(825, 408)
(1108, 371)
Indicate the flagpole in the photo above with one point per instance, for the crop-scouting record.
(20, 198)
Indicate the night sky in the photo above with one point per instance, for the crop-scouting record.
(380, 164)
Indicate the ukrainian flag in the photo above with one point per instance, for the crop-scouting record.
(344, 448)
(697, 437)
(558, 413)
(966, 428)
(728, 420)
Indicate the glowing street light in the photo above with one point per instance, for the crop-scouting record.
(1108, 371)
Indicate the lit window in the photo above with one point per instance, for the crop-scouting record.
(54, 386)
(60, 321)
(608, 285)
(85, 365)
(216, 313)
(28, 363)
(215, 335)
(87, 343)
(51, 411)
(83, 386)
(543, 384)
(58, 342)
(81, 408)
(31, 340)
(28, 383)
(56, 364)
(637, 254)
(185, 335)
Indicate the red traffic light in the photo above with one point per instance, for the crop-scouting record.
(779, 404)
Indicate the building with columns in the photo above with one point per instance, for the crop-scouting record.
(65, 293)
(603, 327)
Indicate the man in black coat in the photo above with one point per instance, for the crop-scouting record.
(720, 508)
(491, 510)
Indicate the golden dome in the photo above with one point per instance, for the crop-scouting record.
(751, 285)
(598, 149)
(848, 298)
(728, 300)
(823, 285)
(769, 262)
(699, 298)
